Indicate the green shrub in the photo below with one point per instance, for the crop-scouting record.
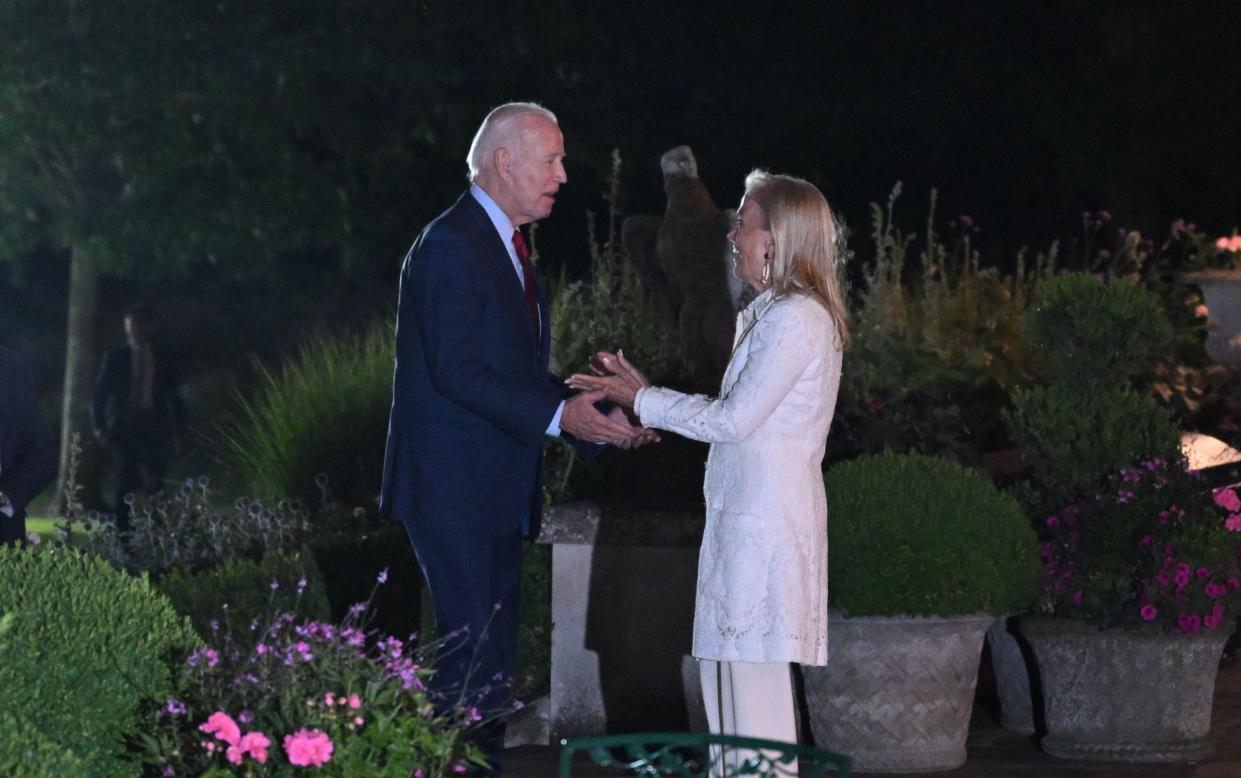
(25, 752)
(1071, 440)
(86, 646)
(238, 592)
(323, 411)
(1085, 420)
(922, 536)
(1095, 335)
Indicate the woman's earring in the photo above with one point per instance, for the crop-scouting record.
(766, 272)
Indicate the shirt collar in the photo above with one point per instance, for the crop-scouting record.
(494, 212)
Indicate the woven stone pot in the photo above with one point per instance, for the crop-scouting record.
(1125, 695)
(897, 692)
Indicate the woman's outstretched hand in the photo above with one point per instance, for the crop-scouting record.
(614, 375)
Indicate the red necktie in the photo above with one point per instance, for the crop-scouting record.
(527, 272)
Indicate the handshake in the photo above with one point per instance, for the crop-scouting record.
(615, 380)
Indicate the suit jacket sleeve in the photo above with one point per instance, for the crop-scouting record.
(449, 304)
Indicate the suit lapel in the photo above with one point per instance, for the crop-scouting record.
(500, 262)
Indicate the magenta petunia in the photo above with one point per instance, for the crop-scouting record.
(308, 748)
(1149, 612)
(1233, 523)
(223, 727)
(1189, 623)
(1212, 619)
(1228, 500)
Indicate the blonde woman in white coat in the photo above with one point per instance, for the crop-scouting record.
(762, 571)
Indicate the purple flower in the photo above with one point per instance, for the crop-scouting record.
(1077, 597)
(383, 576)
(174, 707)
(1189, 623)
(1104, 216)
(1149, 612)
(275, 585)
(1213, 618)
(301, 583)
(1052, 521)
(1203, 573)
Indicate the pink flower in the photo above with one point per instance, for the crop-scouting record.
(1182, 579)
(1214, 590)
(358, 721)
(329, 699)
(1234, 522)
(1052, 521)
(1163, 578)
(223, 727)
(1077, 597)
(1203, 573)
(1228, 500)
(1213, 618)
(1201, 311)
(355, 701)
(308, 748)
(234, 754)
(1234, 582)
(1189, 623)
(1149, 612)
(1223, 244)
(255, 743)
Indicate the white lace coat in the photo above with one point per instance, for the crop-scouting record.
(762, 569)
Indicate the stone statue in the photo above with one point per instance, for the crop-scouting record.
(684, 261)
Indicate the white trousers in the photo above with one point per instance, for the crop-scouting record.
(748, 699)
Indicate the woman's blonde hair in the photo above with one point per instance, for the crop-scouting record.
(808, 242)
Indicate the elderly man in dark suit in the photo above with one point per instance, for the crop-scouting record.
(27, 447)
(473, 401)
(137, 410)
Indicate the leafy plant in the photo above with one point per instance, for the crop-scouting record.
(1152, 546)
(238, 593)
(935, 347)
(923, 536)
(85, 646)
(1085, 420)
(323, 412)
(186, 531)
(334, 697)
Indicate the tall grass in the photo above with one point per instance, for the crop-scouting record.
(322, 412)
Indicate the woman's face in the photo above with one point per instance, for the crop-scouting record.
(750, 244)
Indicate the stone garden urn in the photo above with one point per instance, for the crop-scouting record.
(1222, 291)
(1134, 694)
(897, 692)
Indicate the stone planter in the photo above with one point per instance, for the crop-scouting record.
(1222, 291)
(1012, 675)
(1125, 695)
(897, 692)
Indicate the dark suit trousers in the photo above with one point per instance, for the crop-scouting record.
(475, 586)
(12, 528)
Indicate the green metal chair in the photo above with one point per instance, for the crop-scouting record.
(689, 755)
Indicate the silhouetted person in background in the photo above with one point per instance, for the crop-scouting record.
(137, 411)
(28, 456)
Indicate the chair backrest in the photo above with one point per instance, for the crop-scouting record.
(692, 755)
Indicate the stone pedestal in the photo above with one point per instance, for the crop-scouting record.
(622, 612)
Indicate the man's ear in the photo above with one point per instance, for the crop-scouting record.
(504, 163)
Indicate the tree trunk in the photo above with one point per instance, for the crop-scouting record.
(80, 359)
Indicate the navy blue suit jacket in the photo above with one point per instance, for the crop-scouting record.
(472, 395)
(28, 455)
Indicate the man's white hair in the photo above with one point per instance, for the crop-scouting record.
(497, 129)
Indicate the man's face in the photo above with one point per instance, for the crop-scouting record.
(534, 171)
(137, 329)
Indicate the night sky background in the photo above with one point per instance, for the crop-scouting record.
(346, 123)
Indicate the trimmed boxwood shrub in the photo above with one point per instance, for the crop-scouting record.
(922, 536)
(25, 752)
(245, 587)
(84, 646)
